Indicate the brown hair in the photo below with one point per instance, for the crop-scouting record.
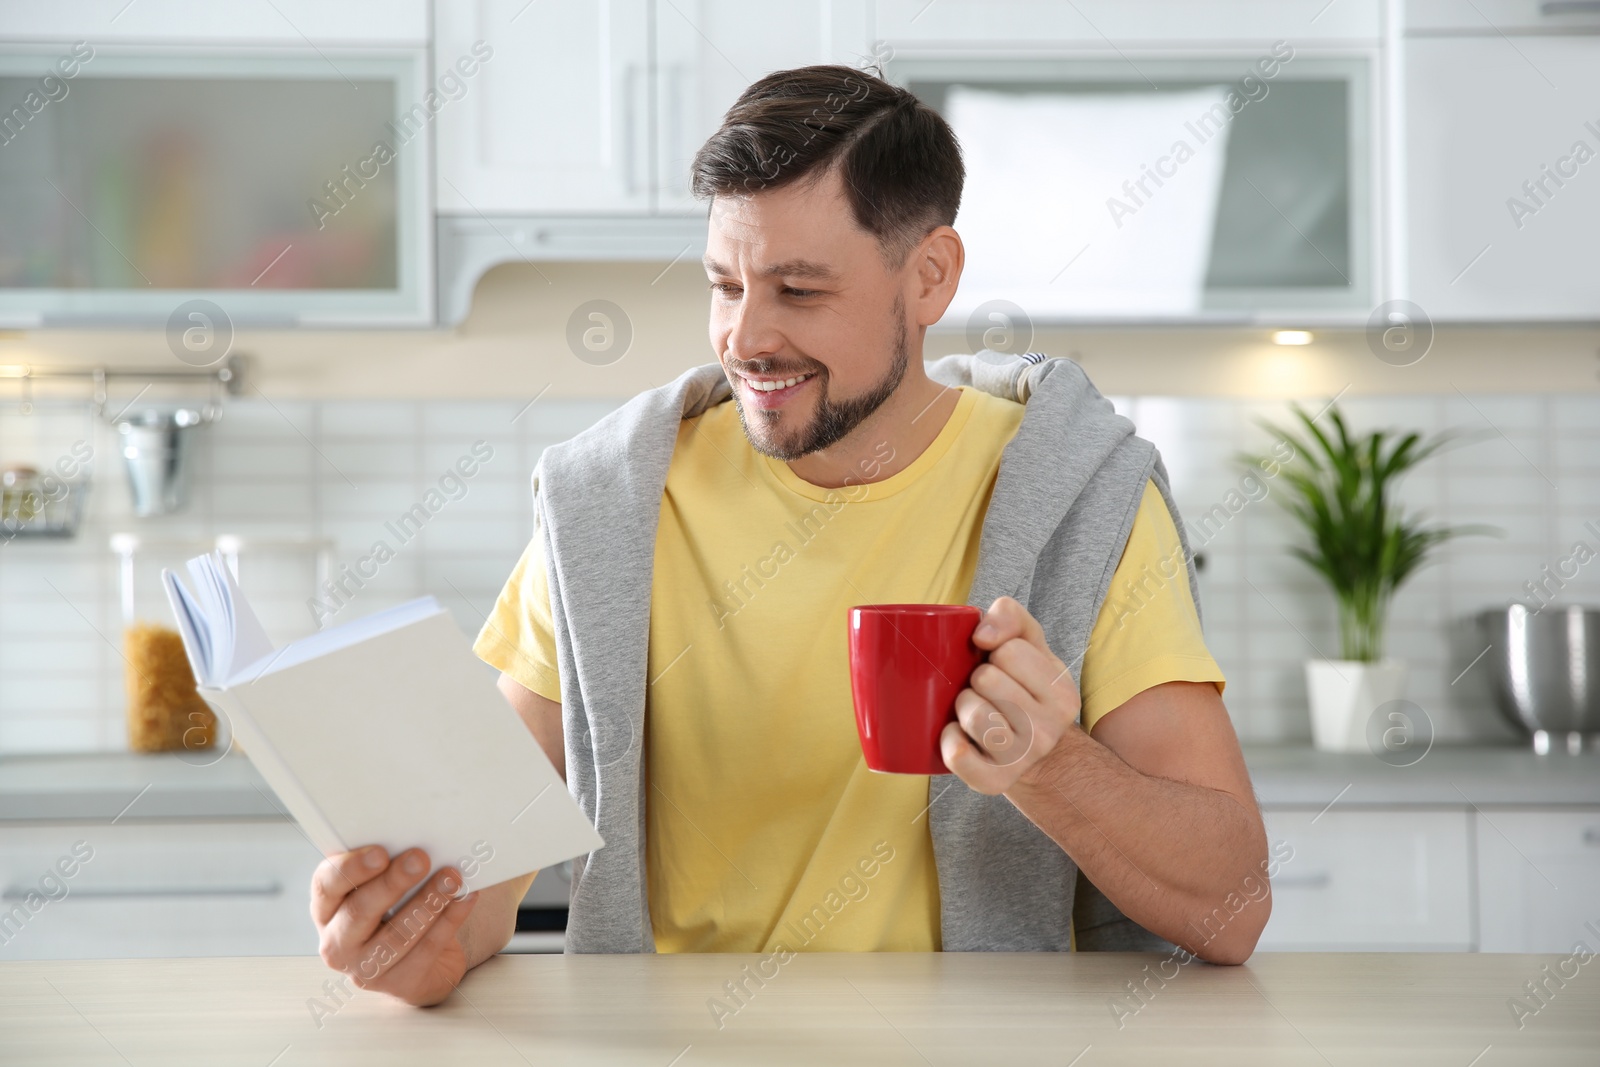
(898, 158)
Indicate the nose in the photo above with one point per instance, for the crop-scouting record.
(753, 332)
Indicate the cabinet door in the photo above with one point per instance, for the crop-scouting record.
(1371, 880)
(222, 888)
(710, 50)
(556, 118)
(1028, 24)
(1538, 880)
(354, 23)
(1503, 161)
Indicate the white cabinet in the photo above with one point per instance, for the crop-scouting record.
(360, 23)
(1371, 880)
(1503, 159)
(1031, 24)
(216, 888)
(1538, 880)
(708, 51)
(557, 119)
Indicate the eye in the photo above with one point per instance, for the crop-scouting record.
(802, 292)
(723, 288)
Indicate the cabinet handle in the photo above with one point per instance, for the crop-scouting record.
(630, 132)
(1591, 835)
(1319, 880)
(256, 889)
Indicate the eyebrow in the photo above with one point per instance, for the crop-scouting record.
(789, 268)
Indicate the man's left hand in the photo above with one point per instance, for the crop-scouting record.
(1017, 706)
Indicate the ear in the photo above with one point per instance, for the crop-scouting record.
(935, 266)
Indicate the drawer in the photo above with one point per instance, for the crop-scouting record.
(1371, 880)
(220, 888)
(1538, 879)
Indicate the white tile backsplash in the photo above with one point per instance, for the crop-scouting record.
(343, 472)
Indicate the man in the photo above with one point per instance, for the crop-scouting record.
(674, 634)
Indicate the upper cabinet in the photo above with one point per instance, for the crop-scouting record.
(709, 51)
(558, 118)
(576, 139)
(1027, 25)
(353, 23)
(258, 176)
(1502, 147)
(598, 108)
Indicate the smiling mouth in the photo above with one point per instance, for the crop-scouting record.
(772, 385)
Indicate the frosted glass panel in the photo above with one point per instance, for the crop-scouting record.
(203, 183)
(1052, 228)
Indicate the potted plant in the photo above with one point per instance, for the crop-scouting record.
(1364, 545)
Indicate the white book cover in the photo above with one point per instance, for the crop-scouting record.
(385, 730)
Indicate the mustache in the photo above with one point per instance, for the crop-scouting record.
(770, 367)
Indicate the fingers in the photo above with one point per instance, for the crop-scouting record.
(338, 876)
(407, 930)
(358, 917)
(969, 764)
(1038, 672)
(1000, 729)
(414, 970)
(1006, 619)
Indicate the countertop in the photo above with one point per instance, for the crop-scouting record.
(126, 786)
(885, 1009)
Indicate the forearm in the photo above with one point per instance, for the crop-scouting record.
(1176, 858)
(490, 926)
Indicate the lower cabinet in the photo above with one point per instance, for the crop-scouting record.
(1389, 880)
(1538, 880)
(97, 891)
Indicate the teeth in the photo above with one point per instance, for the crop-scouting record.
(767, 387)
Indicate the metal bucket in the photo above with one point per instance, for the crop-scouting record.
(1546, 669)
(155, 451)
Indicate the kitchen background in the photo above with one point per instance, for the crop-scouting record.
(292, 476)
(378, 237)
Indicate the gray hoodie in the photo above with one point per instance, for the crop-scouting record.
(1064, 501)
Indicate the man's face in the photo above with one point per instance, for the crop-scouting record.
(807, 321)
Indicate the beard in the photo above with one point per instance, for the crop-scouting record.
(834, 419)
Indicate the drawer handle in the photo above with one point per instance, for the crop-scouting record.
(257, 889)
(1319, 880)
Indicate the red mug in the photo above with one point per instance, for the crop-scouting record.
(907, 664)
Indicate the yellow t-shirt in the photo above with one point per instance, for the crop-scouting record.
(764, 828)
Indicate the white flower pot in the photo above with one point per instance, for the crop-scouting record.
(1344, 694)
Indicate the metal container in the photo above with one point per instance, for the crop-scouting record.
(155, 449)
(1546, 668)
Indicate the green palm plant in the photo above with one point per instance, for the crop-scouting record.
(1363, 544)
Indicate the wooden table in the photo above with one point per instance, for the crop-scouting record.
(890, 1009)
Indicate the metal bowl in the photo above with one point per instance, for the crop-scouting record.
(1546, 668)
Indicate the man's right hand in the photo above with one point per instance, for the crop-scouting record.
(415, 955)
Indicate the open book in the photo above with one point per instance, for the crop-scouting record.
(385, 730)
